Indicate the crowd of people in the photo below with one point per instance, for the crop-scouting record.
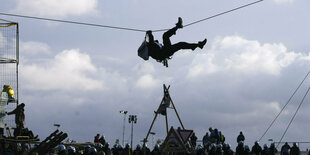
(213, 143)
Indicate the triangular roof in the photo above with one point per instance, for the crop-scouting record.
(173, 142)
(185, 134)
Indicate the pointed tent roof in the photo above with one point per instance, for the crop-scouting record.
(173, 142)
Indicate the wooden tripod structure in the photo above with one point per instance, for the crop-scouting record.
(164, 104)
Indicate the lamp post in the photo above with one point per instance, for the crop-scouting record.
(132, 119)
(123, 112)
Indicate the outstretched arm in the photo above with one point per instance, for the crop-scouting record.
(12, 112)
(150, 36)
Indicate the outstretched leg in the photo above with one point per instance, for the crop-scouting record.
(184, 45)
(170, 32)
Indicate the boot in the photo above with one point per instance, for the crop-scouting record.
(202, 43)
(179, 24)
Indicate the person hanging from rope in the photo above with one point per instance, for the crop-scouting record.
(163, 52)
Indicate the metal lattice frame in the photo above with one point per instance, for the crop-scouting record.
(9, 58)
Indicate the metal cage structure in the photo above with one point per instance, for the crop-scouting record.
(9, 59)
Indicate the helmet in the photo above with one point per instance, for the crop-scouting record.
(227, 145)
(295, 144)
(212, 145)
(156, 145)
(60, 147)
(119, 146)
(71, 149)
(199, 147)
(246, 147)
(86, 148)
(219, 145)
(265, 146)
(92, 150)
(99, 145)
(127, 145)
(115, 146)
(138, 146)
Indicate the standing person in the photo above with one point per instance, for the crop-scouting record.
(295, 149)
(127, 150)
(228, 150)
(272, 150)
(3, 103)
(102, 140)
(240, 137)
(206, 141)
(138, 150)
(285, 149)
(107, 149)
(247, 150)
(161, 52)
(193, 140)
(256, 149)
(217, 136)
(96, 138)
(19, 119)
(240, 148)
(265, 150)
(222, 137)
(219, 150)
(19, 115)
(212, 150)
(156, 151)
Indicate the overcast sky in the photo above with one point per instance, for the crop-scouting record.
(82, 76)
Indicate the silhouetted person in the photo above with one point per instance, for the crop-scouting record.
(127, 150)
(193, 140)
(107, 149)
(228, 150)
(222, 137)
(96, 138)
(240, 148)
(256, 149)
(206, 141)
(285, 149)
(219, 150)
(19, 115)
(265, 150)
(247, 150)
(272, 149)
(295, 150)
(161, 52)
(138, 150)
(156, 150)
(212, 150)
(102, 140)
(240, 137)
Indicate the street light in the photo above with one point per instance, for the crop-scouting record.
(123, 112)
(132, 119)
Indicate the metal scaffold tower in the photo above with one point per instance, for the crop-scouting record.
(9, 58)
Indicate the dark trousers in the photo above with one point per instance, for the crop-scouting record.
(169, 48)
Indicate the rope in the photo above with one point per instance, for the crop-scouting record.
(124, 28)
(73, 22)
(293, 116)
(219, 14)
(284, 106)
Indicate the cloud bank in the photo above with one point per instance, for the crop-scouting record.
(55, 8)
(67, 71)
(235, 53)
